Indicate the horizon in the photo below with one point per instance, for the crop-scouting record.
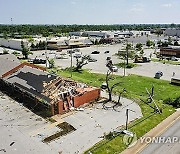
(91, 24)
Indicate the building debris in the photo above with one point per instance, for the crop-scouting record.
(32, 82)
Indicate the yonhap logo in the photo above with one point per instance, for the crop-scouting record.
(130, 141)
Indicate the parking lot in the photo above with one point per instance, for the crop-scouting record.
(144, 69)
(18, 127)
(63, 60)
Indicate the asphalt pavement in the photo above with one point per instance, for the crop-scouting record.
(169, 145)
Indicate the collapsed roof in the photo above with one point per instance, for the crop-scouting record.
(36, 82)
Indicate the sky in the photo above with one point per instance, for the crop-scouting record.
(89, 11)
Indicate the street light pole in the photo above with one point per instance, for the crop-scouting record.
(46, 52)
(71, 63)
(127, 117)
(124, 66)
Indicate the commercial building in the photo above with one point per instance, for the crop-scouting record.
(31, 82)
(68, 42)
(98, 34)
(170, 51)
(16, 43)
(13, 43)
(172, 32)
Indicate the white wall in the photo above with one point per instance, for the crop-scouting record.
(13, 43)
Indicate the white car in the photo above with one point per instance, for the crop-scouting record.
(114, 69)
(77, 55)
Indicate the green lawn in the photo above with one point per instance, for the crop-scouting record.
(130, 65)
(135, 86)
(166, 61)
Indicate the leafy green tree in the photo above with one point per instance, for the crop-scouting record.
(5, 36)
(33, 46)
(142, 52)
(158, 32)
(96, 42)
(165, 44)
(51, 63)
(127, 53)
(176, 43)
(149, 43)
(169, 41)
(80, 62)
(25, 50)
(139, 46)
(31, 40)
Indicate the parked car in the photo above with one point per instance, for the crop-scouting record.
(30, 60)
(95, 52)
(173, 58)
(106, 52)
(76, 50)
(108, 58)
(39, 61)
(114, 69)
(52, 52)
(77, 55)
(70, 51)
(92, 60)
(158, 75)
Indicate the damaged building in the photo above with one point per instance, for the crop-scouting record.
(32, 82)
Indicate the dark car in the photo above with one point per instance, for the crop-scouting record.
(39, 61)
(70, 51)
(158, 75)
(108, 58)
(92, 60)
(95, 52)
(106, 52)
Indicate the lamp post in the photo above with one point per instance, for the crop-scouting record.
(46, 52)
(71, 62)
(127, 117)
(124, 66)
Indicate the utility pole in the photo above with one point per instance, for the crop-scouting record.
(127, 117)
(46, 52)
(124, 66)
(71, 62)
(127, 56)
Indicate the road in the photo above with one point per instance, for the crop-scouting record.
(166, 148)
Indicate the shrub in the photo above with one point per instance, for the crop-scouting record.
(175, 102)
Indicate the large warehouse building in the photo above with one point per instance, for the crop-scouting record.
(172, 32)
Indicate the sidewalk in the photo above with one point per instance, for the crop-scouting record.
(157, 131)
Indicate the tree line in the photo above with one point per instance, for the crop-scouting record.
(47, 30)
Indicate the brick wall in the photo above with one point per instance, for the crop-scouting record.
(86, 97)
(60, 107)
(79, 100)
